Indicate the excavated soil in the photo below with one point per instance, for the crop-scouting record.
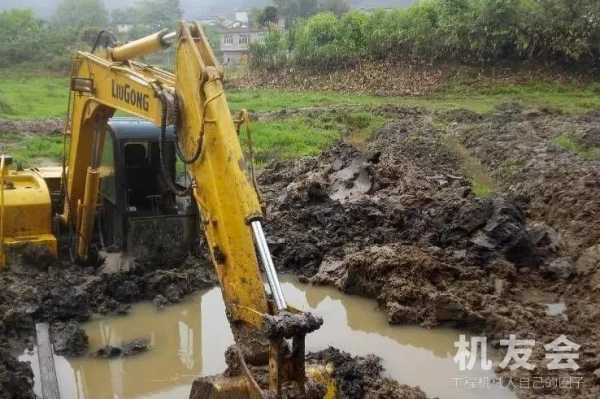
(64, 294)
(36, 126)
(400, 223)
(398, 78)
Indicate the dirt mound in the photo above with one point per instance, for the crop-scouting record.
(131, 348)
(356, 377)
(69, 339)
(528, 155)
(37, 126)
(381, 78)
(362, 377)
(400, 223)
(16, 378)
(403, 189)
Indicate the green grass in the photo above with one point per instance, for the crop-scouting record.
(35, 96)
(288, 138)
(569, 143)
(566, 97)
(264, 100)
(33, 150)
(302, 136)
(482, 184)
(32, 97)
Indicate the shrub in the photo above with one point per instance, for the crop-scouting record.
(271, 52)
(468, 31)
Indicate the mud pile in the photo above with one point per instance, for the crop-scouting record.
(528, 156)
(67, 293)
(380, 78)
(399, 223)
(362, 377)
(37, 126)
(397, 216)
(356, 377)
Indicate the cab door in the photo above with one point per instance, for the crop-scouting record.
(111, 215)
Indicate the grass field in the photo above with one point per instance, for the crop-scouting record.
(571, 144)
(34, 96)
(31, 150)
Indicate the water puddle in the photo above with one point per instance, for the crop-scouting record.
(182, 349)
(558, 309)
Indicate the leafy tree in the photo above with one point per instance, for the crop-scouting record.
(76, 14)
(338, 7)
(291, 10)
(123, 16)
(155, 15)
(21, 32)
(268, 16)
(270, 53)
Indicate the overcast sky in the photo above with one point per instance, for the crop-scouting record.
(191, 8)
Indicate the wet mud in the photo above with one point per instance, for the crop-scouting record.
(400, 222)
(66, 294)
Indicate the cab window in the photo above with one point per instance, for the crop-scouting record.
(107, 170)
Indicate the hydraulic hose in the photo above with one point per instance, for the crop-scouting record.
(172, 186)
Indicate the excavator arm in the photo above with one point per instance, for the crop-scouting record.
(194, 101)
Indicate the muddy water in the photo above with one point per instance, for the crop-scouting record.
(189, 339)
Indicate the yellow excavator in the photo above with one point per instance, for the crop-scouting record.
(120, 174)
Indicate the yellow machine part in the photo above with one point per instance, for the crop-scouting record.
(220, 387)
(27, 213)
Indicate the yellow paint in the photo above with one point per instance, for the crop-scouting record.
(324, 375)
(2, 251)
(88, 207)
(225, 194)
(138, 48)
(226, 197)
(26, 215)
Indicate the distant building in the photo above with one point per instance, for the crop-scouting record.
(242, 17)
(235, 43)
(124, 28)
(236, 35)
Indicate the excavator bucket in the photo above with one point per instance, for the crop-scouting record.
(271, 363)
(241, 387)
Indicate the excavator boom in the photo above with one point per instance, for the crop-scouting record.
(192, 99)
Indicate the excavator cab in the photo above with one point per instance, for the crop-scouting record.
(119, 193)
(138, 214)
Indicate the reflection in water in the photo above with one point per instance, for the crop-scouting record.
(182, 349)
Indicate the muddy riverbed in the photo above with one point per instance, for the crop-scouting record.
(188, 340)
(404, 221)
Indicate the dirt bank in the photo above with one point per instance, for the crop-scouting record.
(36, 126)
(392, 78)
(400, 223)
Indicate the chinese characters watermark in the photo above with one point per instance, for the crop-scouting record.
(561, 354)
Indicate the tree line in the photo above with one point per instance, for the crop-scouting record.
(466, 31)
(49, 44)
